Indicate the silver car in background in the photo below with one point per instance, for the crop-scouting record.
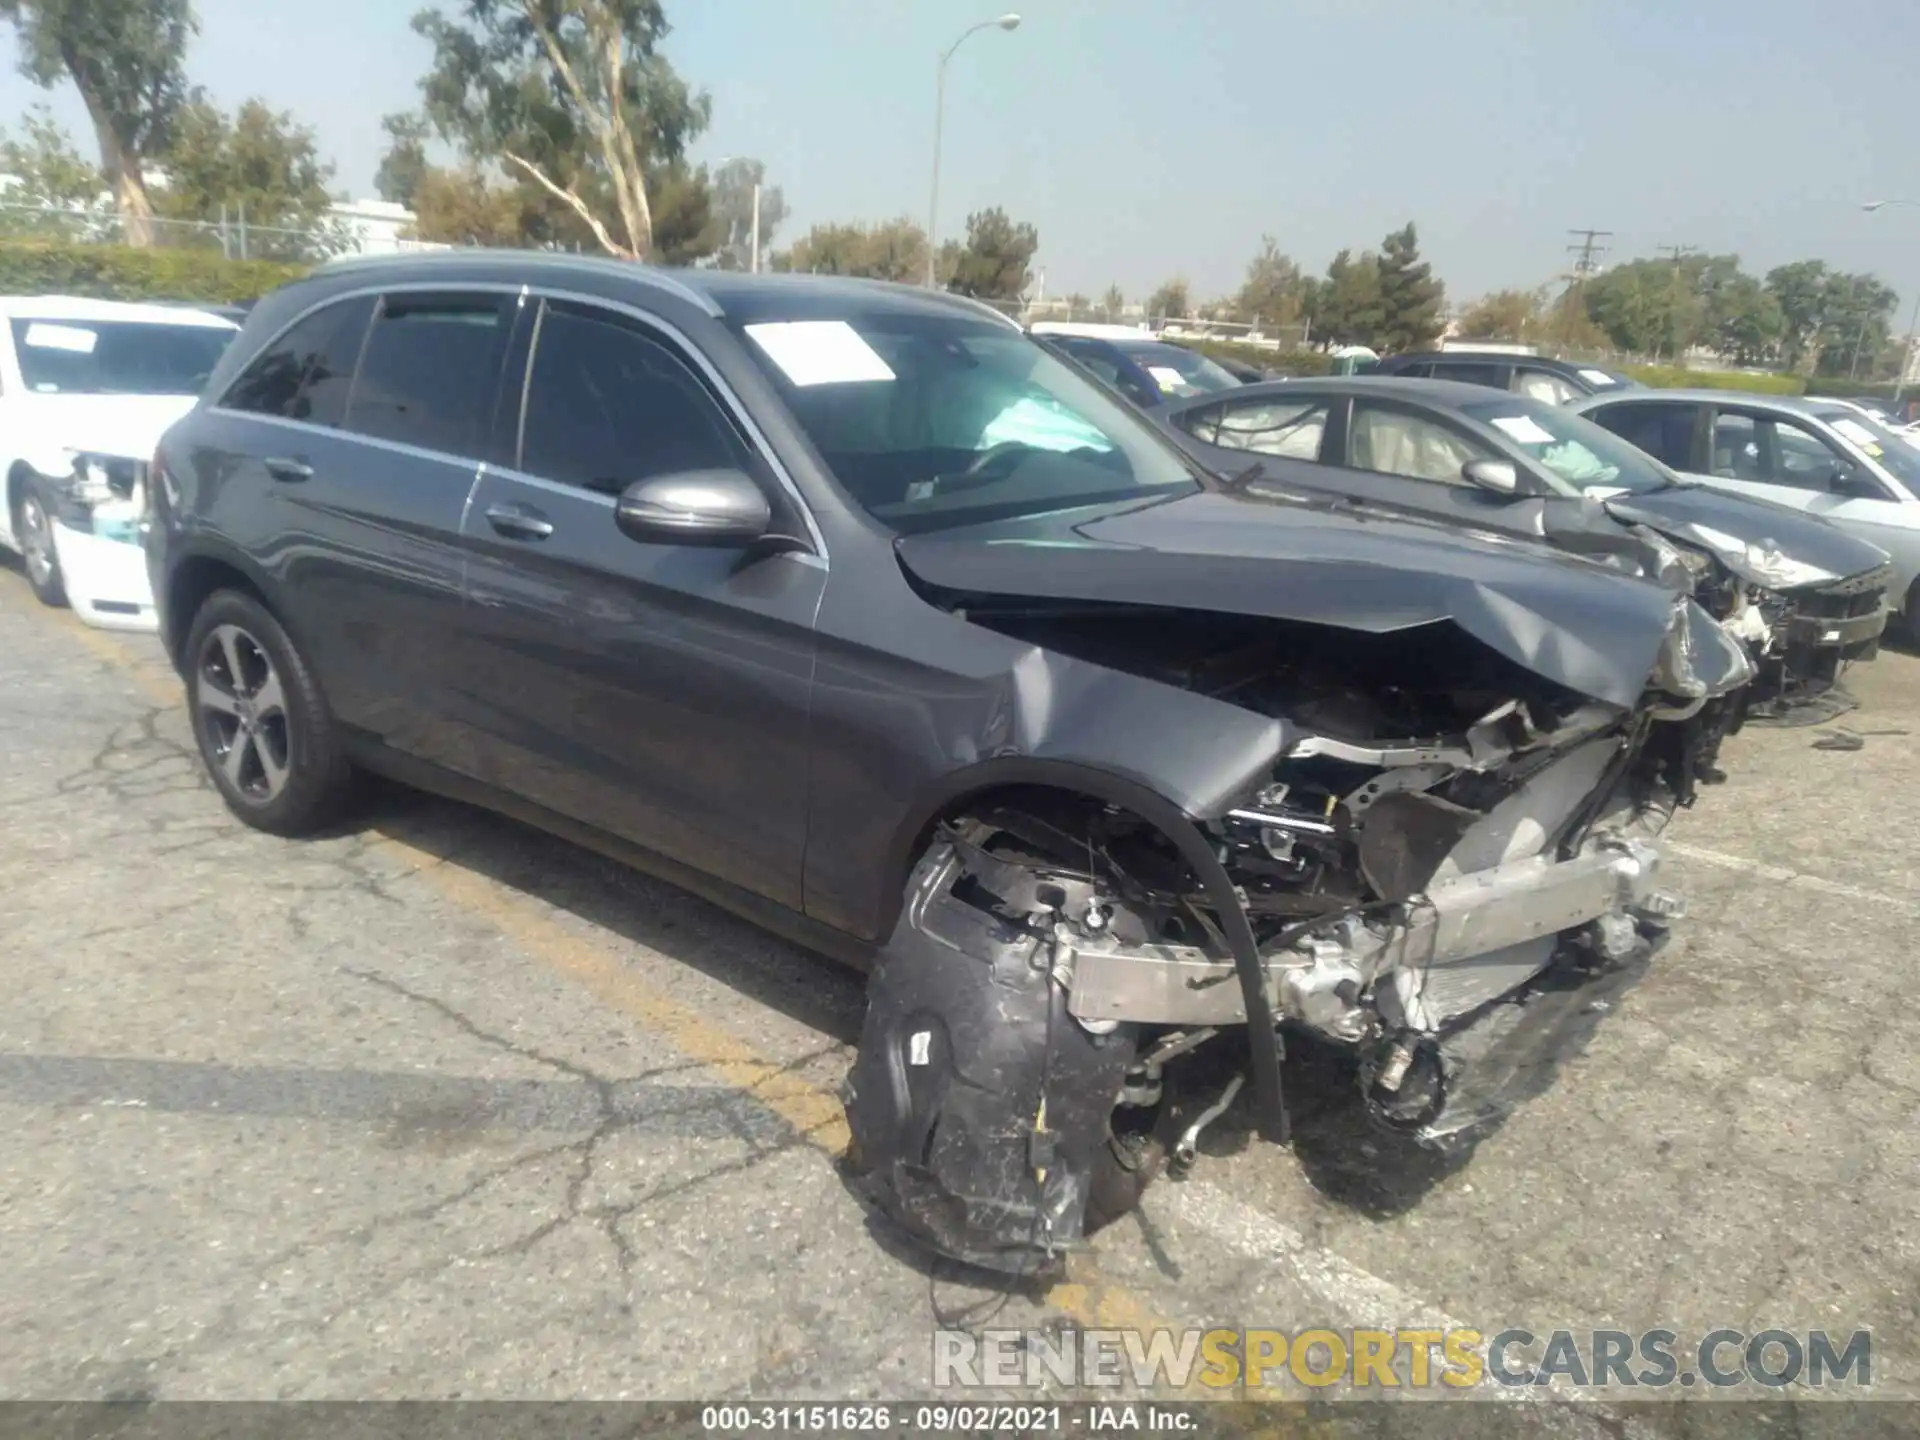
(1825, 457)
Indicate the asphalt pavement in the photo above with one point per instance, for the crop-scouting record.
(438, 1106)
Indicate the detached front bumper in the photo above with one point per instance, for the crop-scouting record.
(106, 578)
(1465, 941)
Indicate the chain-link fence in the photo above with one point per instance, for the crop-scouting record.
(232, 235)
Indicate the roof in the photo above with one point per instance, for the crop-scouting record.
(732, 293)
(84, 308)
(1090, 330)
(1465, 354)
(1446, 394)
(1792, 404)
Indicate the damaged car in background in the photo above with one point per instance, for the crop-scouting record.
(86, 388)
(851, 607)
(1806, 598)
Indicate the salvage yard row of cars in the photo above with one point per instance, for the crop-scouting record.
(1115, 740)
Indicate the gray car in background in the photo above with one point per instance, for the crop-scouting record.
(1823, 457)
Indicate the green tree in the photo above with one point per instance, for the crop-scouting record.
(1172, 301)
(127, 58)
(1350, 306)
(50, 173)
(995, 262)
(575, 100)
(732, 205)
(259, 163)
(1078, 305)
(892, 250)
(1113, 302)
(1512, 316)
(464, 205)
(1269, 297)
(1856, 323)
(1800, 292)
(1412, 301)
(1746, 322)
(405, 163)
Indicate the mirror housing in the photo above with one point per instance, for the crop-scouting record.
(694, 507)
(1501, 477)
(1852, 480)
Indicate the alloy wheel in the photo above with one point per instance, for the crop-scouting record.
(243, 714)
(36, 540)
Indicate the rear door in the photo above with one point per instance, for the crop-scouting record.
(340, 458)
(657, 692)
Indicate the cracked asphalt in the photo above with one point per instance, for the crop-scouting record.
(438, 1106)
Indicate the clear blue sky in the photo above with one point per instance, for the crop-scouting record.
(1149, 139)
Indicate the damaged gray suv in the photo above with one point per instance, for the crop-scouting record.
(851, 608)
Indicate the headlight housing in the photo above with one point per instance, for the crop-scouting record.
(1762, 562)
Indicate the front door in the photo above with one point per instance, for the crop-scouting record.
(656, 692)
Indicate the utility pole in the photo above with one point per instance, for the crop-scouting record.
(1586, 252)
(1675, 253)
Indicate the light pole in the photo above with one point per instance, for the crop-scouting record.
(1009, 21)
(1913, 319)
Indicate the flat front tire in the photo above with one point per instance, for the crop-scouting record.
(266, 735)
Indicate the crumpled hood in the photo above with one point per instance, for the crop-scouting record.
(1706, 518)
(51, 426)
(1272, 553)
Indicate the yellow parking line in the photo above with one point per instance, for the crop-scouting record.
(813, 1111)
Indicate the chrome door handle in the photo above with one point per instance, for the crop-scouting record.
(519, 522)
(289, 470)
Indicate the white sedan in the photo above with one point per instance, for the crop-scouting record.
(87, 387)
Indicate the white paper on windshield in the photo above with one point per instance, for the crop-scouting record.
(819, 352)
(41, 336)
(1167, 378)
(1598, 377)
(1523, 428)
(1856, 432)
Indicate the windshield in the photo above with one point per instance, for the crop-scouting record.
(1879, 443)
(936, 421)
(1181, 372)
(1571, 448)
(117, 357)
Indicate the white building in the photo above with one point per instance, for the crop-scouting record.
(378, 227)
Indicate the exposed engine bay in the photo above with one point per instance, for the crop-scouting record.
(1444, 828)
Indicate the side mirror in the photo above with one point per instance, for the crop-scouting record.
(694, 507)
(1851, 480)
(1502, 477)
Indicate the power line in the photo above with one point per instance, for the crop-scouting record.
(1586, 250)
(1677, 253)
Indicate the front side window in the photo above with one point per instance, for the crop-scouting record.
(1770, 451)
(1393, 441)
(930, 421)
(307, 372)
(1571, 448)
(1291, 429)
(427, 374)
(1879, 443)
(1664, 431)
(117, 357)
(608, 405)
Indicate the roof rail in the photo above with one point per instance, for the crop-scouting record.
(645, 274)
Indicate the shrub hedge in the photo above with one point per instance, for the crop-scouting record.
(118, 272)
(1280, 362)
(1675, 377)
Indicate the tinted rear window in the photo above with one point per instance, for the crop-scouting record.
(427, 375)
(306, 373)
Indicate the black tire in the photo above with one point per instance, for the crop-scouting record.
(1910, 618)
(33, 530)
(265, 733)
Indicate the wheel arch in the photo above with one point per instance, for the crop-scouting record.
(973, 787)
(195, 576)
